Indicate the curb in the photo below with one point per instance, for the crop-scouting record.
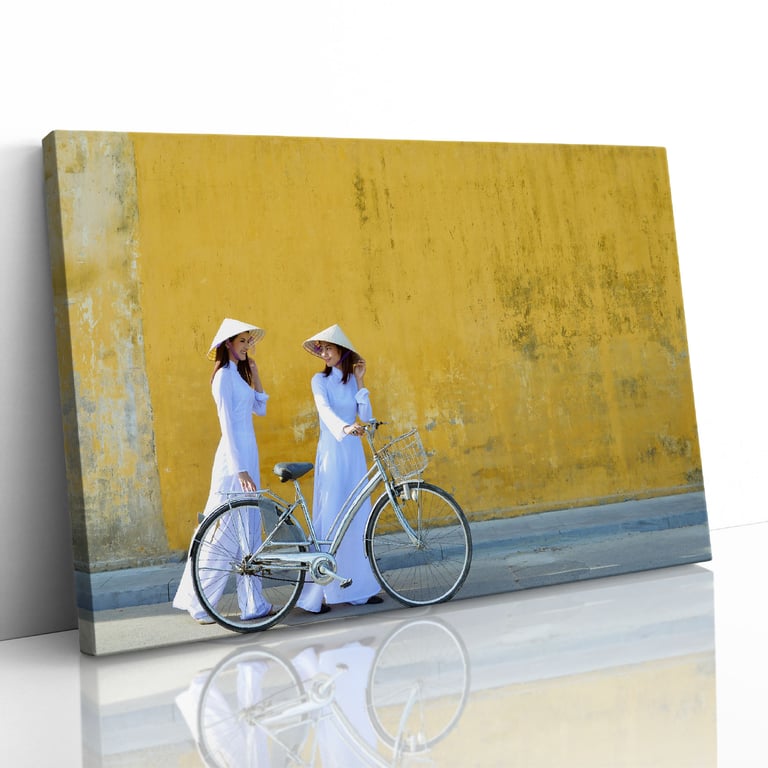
(153, 585)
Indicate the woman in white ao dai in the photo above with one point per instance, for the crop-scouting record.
(341, 399)
(238, 393)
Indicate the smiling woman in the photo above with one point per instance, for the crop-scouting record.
(341, 398)
(238, 393)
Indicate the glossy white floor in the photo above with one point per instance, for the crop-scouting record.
(663, 668)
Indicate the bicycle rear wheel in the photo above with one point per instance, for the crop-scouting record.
(252, 705)
(232, 580)
(428, 563)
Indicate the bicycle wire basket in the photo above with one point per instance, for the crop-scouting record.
(404, 457)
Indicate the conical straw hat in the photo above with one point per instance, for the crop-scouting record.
(331, 335)
(230, 328)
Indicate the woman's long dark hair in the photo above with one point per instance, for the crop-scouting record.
(348, 360)
(222, 361)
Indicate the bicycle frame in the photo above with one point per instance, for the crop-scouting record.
(317, 703)
(416, 537)
(375, 474)
(286, 706)
(321, 563)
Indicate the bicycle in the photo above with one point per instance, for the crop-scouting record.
(417, 539)
(258, 703)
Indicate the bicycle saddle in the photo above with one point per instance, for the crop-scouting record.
(292, 470)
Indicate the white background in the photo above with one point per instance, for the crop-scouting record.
(687, 77)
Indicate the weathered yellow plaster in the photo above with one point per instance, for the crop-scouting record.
(110, 450)
(519, 303)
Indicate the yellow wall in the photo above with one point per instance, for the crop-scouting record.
(519, 303)
(112, 473)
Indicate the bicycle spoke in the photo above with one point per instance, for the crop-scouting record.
(419, 685)
(233, 585)
(432, 567)
(246, 701)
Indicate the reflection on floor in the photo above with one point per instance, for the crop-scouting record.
(613, 672)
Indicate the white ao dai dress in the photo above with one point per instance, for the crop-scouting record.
(237, 451)
(339, 465)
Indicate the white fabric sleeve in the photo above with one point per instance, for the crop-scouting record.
(363, 399)
(260, 403)
(325, 412)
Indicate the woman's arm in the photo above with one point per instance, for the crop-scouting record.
(335, 424)
(362, 398)
(223, 396)
(260, 397)
(364, 409)
(255, 377)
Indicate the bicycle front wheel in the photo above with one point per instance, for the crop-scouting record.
(419, 686)
(422, 555)
(239, 579)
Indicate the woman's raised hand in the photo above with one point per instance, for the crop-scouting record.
(255, 378)
(359, 370)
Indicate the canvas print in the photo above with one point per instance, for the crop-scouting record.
(305, 379)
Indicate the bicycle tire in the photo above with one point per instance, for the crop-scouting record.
(247, 696)
(226, 569)
(427, 657)
(431, 569)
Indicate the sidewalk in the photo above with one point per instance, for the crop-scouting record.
(157, 584)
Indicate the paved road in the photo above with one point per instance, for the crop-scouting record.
(131, 609)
